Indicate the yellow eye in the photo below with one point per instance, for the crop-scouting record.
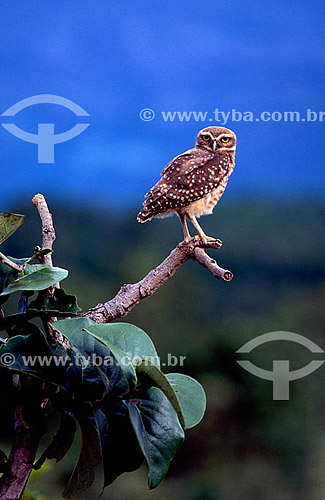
(206, 138)
(225, 139)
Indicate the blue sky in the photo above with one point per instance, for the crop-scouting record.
(115, 58)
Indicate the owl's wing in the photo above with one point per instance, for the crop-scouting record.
(179, 160)
(187, 178)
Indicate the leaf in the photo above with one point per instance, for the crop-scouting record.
(185, 394)
(3, 462)
(29, 353)
(191, 397)
(12, 352)
(151, 373)
(82, 379)
(36, 277)
(123, 361)
(19, 319)
(158, 431)
(22, 304)
(7, 274)
(60, 301)
(61, 442)
(120, 447)
(128, 344)
(15, 353)
(90, 456)
(72, 328)
(9, 223)
(33, 417)
(41, 253)
(75, 331)
(129, 339)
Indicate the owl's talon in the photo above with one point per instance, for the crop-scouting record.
(187, 241)
(208, 239)
(183, 243)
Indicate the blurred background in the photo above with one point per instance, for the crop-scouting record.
(115, 59)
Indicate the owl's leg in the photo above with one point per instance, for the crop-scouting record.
(187, 235)
(197, 226)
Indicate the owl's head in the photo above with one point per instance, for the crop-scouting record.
(216, 139)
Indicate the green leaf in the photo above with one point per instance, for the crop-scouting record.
(19, 319)
(33, 417)
(41, 253)
(7, 274)
(185, 394)
(83, 379)
(120, 447)
(90, 456)
(29, 354)
(3, 462)
(60, 301)
(72, 328)
(147, 372)
(61, 442)
(158, 431)
(75, 330)
(121, 357)
(13, 351)
(129, 339)
(9, 223)
(36, 277)
(20, 353)
(191, 397)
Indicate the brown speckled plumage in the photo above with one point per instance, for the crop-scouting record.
(193, 182)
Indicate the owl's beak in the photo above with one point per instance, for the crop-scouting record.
(214, 146)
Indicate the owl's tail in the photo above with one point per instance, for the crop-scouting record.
(151, 205)
(145, 215)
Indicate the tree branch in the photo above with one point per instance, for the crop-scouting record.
(20, 463)
(131, 294)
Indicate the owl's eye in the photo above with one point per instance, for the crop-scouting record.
(206, 138)
(225, 139)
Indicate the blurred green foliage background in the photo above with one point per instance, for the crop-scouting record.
(247, 446)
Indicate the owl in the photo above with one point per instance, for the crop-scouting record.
(192, 183)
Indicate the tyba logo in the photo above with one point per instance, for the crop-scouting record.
(281, 374)
(45, 138)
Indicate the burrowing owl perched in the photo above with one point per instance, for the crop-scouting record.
(193, 182)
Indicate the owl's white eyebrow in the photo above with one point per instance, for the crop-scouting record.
(223, 135)
(207, 133)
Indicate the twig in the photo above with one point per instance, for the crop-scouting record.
(48, 238)
(131, 294)
(9, 263)
(48, 232)
(203, 258)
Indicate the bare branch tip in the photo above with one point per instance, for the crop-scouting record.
(9, 263)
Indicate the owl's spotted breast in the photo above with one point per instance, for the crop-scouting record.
(206, 205)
